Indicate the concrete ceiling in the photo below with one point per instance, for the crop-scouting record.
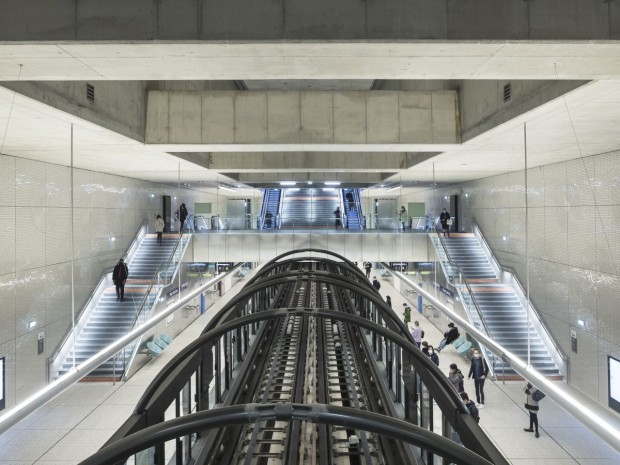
(581, 123)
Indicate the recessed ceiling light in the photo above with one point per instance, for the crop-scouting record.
(332, 183)
(288, 183)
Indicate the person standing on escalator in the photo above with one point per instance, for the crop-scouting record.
(349, 197)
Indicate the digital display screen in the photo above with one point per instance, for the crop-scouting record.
(613, 366)
(2, 383)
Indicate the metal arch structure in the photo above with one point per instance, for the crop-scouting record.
(165, 386)
(315, 413)
(343, 266)
(278, 279)
(447, 398)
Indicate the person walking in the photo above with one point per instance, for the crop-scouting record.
(119, 277)
(407, 313)
(449, 336)
(444, 217)
(338, 215)
(402, 217)
(159, 229)
(434, 357)
(417, 333)
(456, 377)
(183, 215)
(388, 300)
(368, 268)
(479, 370)
(376, 284)
(471, 407)
(532, 404)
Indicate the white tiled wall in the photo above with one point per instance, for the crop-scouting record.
(574, 249)
(35, 252)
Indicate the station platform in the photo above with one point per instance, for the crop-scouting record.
(79, 421)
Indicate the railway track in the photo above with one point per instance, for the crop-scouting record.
(309, 361)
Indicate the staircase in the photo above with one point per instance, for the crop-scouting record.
(111, 319)
(309, 208)
(272, 204)
(504, 315)
(353, 219)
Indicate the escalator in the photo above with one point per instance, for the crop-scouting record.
(309, 208)
(271, 204)
(352, 208)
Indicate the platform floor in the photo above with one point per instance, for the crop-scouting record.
(79, 421)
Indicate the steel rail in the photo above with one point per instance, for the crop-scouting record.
(314, 413)
(28, 406)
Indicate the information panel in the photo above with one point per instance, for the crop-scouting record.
(2, 396)
(613, 366)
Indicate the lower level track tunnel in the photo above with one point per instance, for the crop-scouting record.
(307, 331)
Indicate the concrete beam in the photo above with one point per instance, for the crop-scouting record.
(281, 121)
(345, 177)
(318, 60)
(308, 162)
(267, 20)
(118, 106)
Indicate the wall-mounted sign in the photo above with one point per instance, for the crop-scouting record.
(41, 343)
(2, 392)
(573, 340)
(175, 291)
(613, 371)
(444, 290)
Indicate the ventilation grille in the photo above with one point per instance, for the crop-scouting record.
(90, 92)
(507, 92)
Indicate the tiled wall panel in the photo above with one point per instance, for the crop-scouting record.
(7, 315)
(7, 240)
(35, 246)
(7, 182)
(29, 237)
(29, 183)
(574, 250)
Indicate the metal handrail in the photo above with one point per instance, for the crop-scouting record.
(511, 271)
(145, 223)
(52, 357)
(470, 292)
(104, 275)
(22, 410)
(601, 422)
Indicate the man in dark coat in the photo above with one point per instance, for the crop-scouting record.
(376, 284)
(368, 267)
(444, 218)
(479, 370)
(119, 277)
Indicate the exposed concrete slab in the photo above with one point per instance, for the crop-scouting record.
(313, 61)
(311, 162)
(119, 20)
(308, 118)
(118, 106)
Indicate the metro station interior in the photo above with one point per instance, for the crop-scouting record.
(327, 175)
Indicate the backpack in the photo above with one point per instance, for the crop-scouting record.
(473, 410)
(538, 395)
(422, 333)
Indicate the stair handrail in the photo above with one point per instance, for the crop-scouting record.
(155, 278)
(463, 280)
(144, 225)
(470, 292)
(512, 272)
(104, 275)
